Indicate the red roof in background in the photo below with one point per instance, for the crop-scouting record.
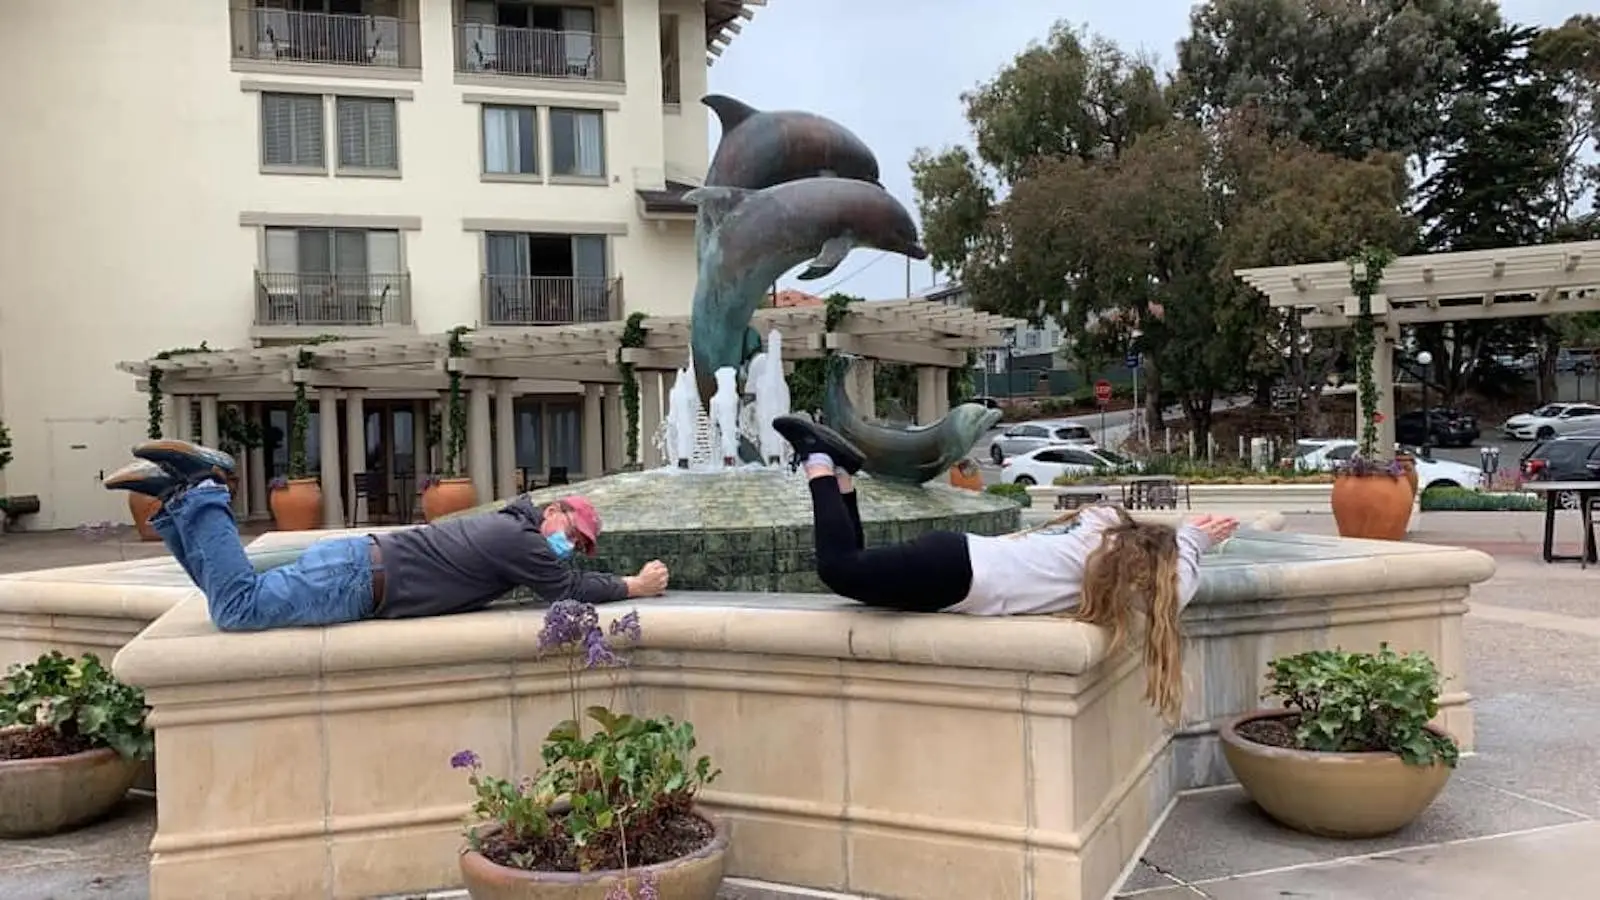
(790, 297)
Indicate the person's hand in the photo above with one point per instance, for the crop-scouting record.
(651, 580)
(1216, 528)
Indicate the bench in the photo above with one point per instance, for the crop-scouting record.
(15, 507)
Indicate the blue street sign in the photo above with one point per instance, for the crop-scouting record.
(1134, 360)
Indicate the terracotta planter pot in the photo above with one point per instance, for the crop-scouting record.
(1375, 507)
(446, 496)
(693, 877)
(298, 505)
(1342, 795)
(972, 479)
(57, 793)
(142, 508)
(1409, 463)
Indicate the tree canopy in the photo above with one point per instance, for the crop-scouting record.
(1118, 199)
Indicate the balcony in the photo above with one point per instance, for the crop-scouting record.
(538, 53)
(289, 304)
(522, 300)
(328, 39)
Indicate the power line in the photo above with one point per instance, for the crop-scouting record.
(823, 292)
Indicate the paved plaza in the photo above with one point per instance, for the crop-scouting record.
(1520, 818)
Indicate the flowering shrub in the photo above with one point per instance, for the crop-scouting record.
(425, 482)
(619, 797)
(1363, 466)
(278, 483)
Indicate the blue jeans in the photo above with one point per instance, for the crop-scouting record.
(330, 583)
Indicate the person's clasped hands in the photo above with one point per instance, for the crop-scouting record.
(1216, 528)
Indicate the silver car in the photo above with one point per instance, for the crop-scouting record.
(1025, 436)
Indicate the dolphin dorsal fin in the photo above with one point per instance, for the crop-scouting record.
(730, 112)
(717, 201)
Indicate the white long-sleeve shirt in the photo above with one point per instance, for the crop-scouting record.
(1040, 573)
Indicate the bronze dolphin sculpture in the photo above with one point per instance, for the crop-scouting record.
(759, 149)
(914, 454)
(757, 236)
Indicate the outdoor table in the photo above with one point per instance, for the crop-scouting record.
(1081, 495)
(1588, 492)
(1153, 492)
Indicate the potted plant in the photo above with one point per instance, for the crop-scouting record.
(72, 741)
(296, 501)
(1351, 754)
(611, 816)
(449, 493)
(1372, 497)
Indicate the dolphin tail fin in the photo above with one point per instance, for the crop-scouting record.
(730, 112)
(716, 202)
(832, 254)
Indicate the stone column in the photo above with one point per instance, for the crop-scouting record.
(927, 394)
(589, 433)
(257, 464)
(1383, 380)
(328, 435)
(505, 438)
(445, 436)
(649, 417)
(616, 442)
(421, 464)
(208, 420)
(183, 417)
(480, 452)
(858, 387)
(941, 389)
(355, 436)
(169, 416)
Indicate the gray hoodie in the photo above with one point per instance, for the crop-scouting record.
(464, 564)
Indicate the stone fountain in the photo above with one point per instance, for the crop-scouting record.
(726, 513)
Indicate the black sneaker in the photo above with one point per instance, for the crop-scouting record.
(143, 477)
(808, 437)
(189, 462)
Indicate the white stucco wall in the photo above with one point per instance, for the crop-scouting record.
(131, 150)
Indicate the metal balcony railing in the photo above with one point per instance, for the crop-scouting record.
(538, 53)
(284, 35)
(550, 300)
(319, 300)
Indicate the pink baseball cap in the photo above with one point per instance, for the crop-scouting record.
(585, 520)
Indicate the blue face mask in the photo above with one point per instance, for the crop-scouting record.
(560, 544)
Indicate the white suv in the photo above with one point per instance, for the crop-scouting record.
(1553, 419)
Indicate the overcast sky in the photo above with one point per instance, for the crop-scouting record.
(893, 71)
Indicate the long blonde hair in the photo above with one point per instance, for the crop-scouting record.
(1134, 572)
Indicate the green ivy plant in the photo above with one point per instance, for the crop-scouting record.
(1363, 703)
(633, 336)
(456, 446)
(1366, 275)
(154, 408)
(236, 433)
(80, 700)
(5, 447)
(810, 377)
(300, 414)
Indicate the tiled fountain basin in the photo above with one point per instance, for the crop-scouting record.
(917, 756)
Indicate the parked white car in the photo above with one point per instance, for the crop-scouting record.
(1046, 464)
(1553, 419)
(1322, 454)
(1025, 436)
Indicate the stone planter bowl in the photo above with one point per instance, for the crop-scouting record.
(1339, 795)
(693, 877)
(57, 793)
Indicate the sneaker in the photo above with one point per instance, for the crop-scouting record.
(807, 437)
(142, 477)
(188, 462)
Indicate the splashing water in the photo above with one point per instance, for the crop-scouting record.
(689, 426)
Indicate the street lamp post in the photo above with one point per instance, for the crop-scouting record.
(1425, 359)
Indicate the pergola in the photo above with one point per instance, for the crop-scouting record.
(497, 365)
(1542, 280)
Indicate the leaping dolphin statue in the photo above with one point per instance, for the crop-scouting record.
(759, 149)
(913, 454)
(757, 236)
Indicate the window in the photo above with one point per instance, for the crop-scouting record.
(1073, 433)
(1341, 452)
(545, 279)
(1080, 458)
(671, 84)
(291, 131)
(577, 143)
(1049, 456)
(367, 135)
(330, 276)
(510, 140)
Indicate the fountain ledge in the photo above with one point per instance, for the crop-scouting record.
(863, 751)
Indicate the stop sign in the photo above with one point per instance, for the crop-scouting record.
(1102, 391)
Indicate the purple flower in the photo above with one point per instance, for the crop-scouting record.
(100, 531)
(627, 626)
(647, 889)
(596, 653)
(567, 623)
(278, 483)
(465, 759)
(619, 890)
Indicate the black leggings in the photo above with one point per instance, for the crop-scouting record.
(922, 575)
